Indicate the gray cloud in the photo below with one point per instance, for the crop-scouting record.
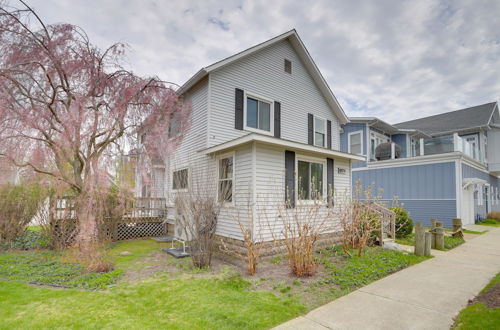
(397, 60)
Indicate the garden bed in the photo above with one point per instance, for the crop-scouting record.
(149, 288)
(482, 312)
(449, 242)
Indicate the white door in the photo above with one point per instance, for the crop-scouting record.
(468, 205)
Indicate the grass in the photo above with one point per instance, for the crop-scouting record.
(467, 231)
(156, 302)
(373, 265)
(489, 222)
(478, 315)
(449, 242)
(173, 304)
(189, 299)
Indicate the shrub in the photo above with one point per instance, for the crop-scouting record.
(29, 240)
(491, 221)
(494, 216)
(19, 204)
(404, 224)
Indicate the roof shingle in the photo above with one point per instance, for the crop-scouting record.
(452, 121)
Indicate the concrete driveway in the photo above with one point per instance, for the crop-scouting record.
(425, 296)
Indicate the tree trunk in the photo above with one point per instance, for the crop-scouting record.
(87, 242)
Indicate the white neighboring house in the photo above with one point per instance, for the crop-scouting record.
(260, 119)
(9, 174)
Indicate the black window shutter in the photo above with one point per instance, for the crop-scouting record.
(329, 134)
(238, 109)
(310, 129)
(290, 179)
(277, 119)
(330, 173)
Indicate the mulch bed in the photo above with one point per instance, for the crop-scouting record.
(491, 298)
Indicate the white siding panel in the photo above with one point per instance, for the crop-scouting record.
(231, 216)
(263, 74)
(270, 191)
(186, 153)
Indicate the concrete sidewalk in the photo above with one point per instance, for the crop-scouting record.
(425, 296)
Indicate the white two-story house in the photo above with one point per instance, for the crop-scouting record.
(439, 167)
(264, 125)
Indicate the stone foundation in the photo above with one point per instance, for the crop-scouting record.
(274, 248)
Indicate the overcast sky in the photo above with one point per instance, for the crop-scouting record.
(396, 60)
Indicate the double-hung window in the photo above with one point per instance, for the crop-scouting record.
(259, 114)
(173, 127)
(226, 177)
(319, 132)
(310, 180)
(180, 179)
(356, 143)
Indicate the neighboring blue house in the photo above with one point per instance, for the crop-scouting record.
(444, 166)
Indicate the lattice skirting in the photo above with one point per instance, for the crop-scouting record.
(117, 232)
(130, 230)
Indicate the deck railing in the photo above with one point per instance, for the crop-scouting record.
(142, 207)
(147, 207)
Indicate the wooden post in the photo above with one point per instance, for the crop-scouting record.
(439, 235)
(427, 247)
(433, 236)
(419, 239)
(457, 228)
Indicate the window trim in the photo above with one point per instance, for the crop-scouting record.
(310, 159)
(325, 142)
(349, 141)
(188, 179)
(271, 115)
(218, 159)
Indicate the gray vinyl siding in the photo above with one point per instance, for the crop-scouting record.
(270, 193)
(344, 139)
(425, 210)
(428, 181)
(263, 74)
(427, 191)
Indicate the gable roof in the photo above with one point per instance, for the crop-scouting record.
(304, 55)
(455, 121)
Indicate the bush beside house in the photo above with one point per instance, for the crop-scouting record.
(404, 224)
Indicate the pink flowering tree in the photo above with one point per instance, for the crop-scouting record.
(68, 110)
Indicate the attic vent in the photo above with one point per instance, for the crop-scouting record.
(288, 66)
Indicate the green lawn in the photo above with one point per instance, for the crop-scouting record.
(449, 242)
(156, 302)
(183, 299)
(174, 304)
(489, 222)
(478, 315)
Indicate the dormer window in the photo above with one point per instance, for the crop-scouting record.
(259, 114)
(319, 132)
